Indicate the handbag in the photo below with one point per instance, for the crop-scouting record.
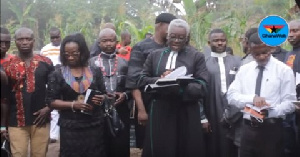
(113, 121)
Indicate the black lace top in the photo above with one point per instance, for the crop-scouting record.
(59, 89)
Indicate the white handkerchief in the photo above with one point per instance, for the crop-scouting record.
(232, 72)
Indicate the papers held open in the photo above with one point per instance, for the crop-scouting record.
(182, 80)
(152, 88)
(173, 81)
(256, 112)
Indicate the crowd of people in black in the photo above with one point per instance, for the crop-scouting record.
(90, 95)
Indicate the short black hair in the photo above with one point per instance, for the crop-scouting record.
(228, 48)
(4, 30)
(255, 39)
(83, 48)
(124, 34)
(250, 31)
(164, 18)
(54, 29)
(217, 30)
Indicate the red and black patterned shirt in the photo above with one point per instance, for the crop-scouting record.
(27, 86)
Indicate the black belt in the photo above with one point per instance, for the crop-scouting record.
(268, 121)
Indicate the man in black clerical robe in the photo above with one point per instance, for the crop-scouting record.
(174, 127)
(222, 67)
(138, 56)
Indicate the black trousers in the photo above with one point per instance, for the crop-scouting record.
(265, 140)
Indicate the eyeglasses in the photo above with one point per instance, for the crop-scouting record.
(75, 54)
(174, 38)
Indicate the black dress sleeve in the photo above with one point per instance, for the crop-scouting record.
(55, 83)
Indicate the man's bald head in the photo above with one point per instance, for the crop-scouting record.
(24, 40)
(109, 25)
(24, 30)
(107, 40)
(106, 32)
(294, 33)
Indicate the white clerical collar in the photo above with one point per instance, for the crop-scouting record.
(171, 63)
(214, 54)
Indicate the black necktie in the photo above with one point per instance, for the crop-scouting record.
(258, 80)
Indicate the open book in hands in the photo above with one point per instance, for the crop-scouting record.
(179, 80)
(172, 81)
(256, 112)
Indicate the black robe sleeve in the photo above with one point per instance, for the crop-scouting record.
(146, 76)
(198, 89)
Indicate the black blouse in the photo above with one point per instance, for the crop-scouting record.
(59, 89)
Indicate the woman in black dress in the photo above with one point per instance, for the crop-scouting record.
(81, 134)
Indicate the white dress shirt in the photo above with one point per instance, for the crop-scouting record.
(220, 57)
(277, 87)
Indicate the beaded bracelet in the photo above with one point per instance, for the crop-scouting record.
(72, 106)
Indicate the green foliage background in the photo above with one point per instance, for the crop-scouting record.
(137, 16)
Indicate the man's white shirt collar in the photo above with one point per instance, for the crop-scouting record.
(214, 54)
